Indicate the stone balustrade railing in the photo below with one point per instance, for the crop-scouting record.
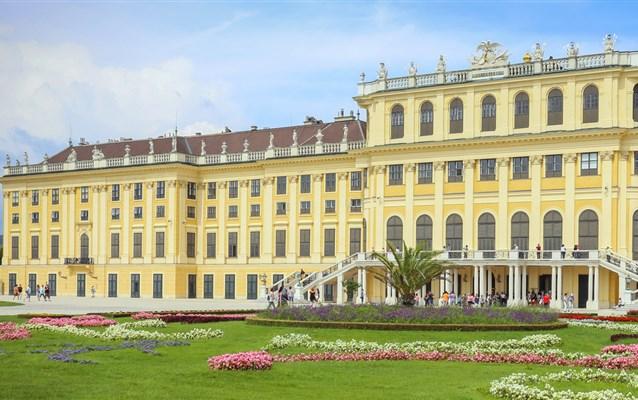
(208, 159)
(613, 58)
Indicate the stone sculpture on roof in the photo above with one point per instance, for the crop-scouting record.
(151, 147)
(382, 73)
(489, 54)
(73, 156)
(246, 145)
(203, 148)
(294, 138)
(97, 154)
(440, 66)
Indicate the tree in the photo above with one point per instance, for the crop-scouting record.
(409, 270)
(350, 286)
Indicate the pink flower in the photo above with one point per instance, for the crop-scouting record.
(10, 331)
(252, 360)
(80, 320)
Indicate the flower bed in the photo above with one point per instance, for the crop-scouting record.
(80, 320)
(519, 386)
(190, 318)
(613, 326)
(252, 360)
(11, 331)
(413, 315)
(620, 336)
(610, 318)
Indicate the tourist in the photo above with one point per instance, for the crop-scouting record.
(271, 299)
(93, 291)
(284, 296)
(44, 292)
(538, 251)
(291, 294)
(575, 253)
(313, 297)
(15, 292)
(302, 274)
(19, 291)
(27, 291)
(563, 251)
(362, 296)
(608, 254)
(470, 300)
(570, 302)
(430, 299)
(620, 303)
(466, 250)
(452, 298)
(445, 298)
(565, 302)
(37, 292)
(417, 299)
(279, 299)
(546, 299)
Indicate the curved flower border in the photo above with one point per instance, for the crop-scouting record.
(11, 331)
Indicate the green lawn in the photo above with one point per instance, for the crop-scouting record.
(182, 372)
(9, 304)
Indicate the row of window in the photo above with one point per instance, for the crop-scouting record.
(521, 111)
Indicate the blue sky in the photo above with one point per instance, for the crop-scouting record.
(102, 70)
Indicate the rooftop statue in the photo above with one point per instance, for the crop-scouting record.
(151, 147)
(246, 145)
(224, 147)
(73, 156)
(294, 138)
(490, 54)
(202, 150)
(97, 153)
(412, 69)
(608, 42)
(572, 49)
(382, 73)
(538, 52)
(440, 66)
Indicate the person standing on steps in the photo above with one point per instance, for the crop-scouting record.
(563, 251)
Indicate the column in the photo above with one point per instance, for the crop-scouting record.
(25, 217)
(360, 282)
(243, 240)
(379, 224)
(44, 233)
(524, 288)
(6, 239)
(517, 284)
(455, 280)
(409, 222)
(468, 216)
(441, 284)
(342, 208)
(559, 286)
(554, 296)
(104, 214)
(148, 223)
(502, 221)
(605, 236)
(438, 228)
(315, 243)
(597, 287)
(622, 205)
(536, 217)
(570, 190)
(172, 221)
(590, 288)
(364, 279)
(482, 280)
(340, 289)
(64, 220)
(489, 281)
(475, 290)
(292, 219)
(200, 248)
(510, 287)
(267, 230)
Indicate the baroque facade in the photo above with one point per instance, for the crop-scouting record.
(486, 164)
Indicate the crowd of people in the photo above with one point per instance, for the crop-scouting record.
(284, 296)
(533, 298)
(42, 292)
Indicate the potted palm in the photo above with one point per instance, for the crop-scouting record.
(350, 286)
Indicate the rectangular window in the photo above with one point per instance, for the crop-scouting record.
(81, 285)
(280, 243)
(115, 192)
(55, 196)
(232, 211)
(137, 244)
(232, 245)
(255, 187)
(137, 191)
(35, 217)
(35, 197)
(208, 286)
(190, 244)
(281, 185)
(589, 164)
(35, 247)
(254, 243)
(355, 205)
(112, 279)
(521, 168)
(115, 214)
(158, 284)
(159, 244)
(190, 212)
(455, 171)
(212, 190)
(15, 247)
(488, 169)
(191, 190)
(329, 242)
(55, 247)
(84, 194)
(15, 218)
(251, 286)
(137, 212)
(53, 284)
(281, 208)
(304, 207)
(135, 286)
(254, 210)
(115, 245)
(553, 165)
(160, 212)
(355, 240)
(84, 215)
(55, 216)
(636, 160)
(305, 184)
(331, 182)
(304, 243)
(160, 191)
(211, 245)
(15, 199)
(211, 212)
(331, 207)
(395, 174)
(355, 180)
(229, 286)
(233, 189)
(424, 171)
(276, 278)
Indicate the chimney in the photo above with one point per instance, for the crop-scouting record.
(341, 116)
(253, 127)
(198, 134)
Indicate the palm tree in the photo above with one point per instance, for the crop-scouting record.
(409, 270)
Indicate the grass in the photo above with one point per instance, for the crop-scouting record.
(10, 304)
(182, 372)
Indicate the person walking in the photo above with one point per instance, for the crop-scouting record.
(19, 291)
(27, 292)
(15, 292)
(291, 295)
(565, 302)
(271, 299)
(44, 292)
(313, 297)
(570, 302)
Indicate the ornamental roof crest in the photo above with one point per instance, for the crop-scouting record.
(490, 54)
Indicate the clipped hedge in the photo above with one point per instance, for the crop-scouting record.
(620, 336)
(126, 314)
(405, 327)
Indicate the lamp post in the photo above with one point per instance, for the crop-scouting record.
(264, 289)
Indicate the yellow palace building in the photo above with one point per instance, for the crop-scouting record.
(504, 167)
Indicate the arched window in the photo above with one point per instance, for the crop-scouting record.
(395, 232)
(456, 116)
(487, 234)
(454, 235)
(590, 104)
(396, 122)
(555, 107)
(427, 119)
(552, 232)
(520, 230)
(424, 232)
(521, 111)
(84, 246)
(636, 103)
(488, 114)
(634, 236)
(588, 230)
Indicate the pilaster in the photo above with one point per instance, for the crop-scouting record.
(172, 221)
(147, 249)
(268, 230)
(126, 242)
(292, 219)
(570, 193)
(379, 177)
(438, 229)
(222, 194)
(536, 217)
(409, 229)
(342, 208)
(244, 242)
(606, 235)
(623, 228)
(468, 218)
(502, 231)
